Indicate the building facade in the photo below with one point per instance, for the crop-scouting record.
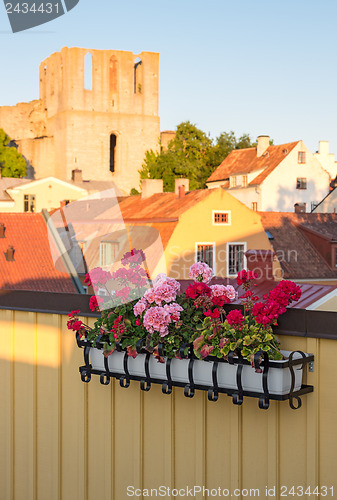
(282, 178)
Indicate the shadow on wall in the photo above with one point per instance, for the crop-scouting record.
(287, 198)
(30, 169)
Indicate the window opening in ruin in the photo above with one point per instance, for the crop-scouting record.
(113, 143)
(137, 86)
(88, 71)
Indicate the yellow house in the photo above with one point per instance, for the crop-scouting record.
(205, 225)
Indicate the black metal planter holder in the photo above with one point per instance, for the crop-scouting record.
(213, 391)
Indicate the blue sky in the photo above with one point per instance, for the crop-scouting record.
(261, 67)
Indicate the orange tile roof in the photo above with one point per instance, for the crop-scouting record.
(298, 257)
(33, 267)
(161, 205)
(245, 161)
(160, 211)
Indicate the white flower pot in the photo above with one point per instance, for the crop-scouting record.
(279, 377)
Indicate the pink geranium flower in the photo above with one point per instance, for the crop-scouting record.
(201, 272)
(157, 319)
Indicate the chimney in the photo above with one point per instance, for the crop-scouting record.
(323, 148)
(181, 182)
(300, 208)
(181, 191)
(2, 230)
(76, 175)
(9, 254)
(262, 144)
(261, 263)
(151, 186)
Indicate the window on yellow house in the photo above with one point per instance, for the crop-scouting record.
(221, 217)
(236, 259)
(205, 252)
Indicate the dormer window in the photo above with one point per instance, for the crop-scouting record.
(244, 181)
(29, 204)
(301, 157)
(232, 181)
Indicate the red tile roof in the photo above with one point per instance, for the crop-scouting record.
(33, 267)
(298, 257)
(245, 161)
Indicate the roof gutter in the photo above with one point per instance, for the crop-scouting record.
(63, 252)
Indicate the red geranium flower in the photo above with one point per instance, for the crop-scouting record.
(215, 314)
(95, 302)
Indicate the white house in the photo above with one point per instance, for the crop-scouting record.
(279, 178)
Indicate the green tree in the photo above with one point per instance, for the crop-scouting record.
(12, 163)
(191, 154)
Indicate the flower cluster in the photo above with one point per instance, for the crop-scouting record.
(97, 276)
(244, 277)
(235, 318)
(95, 302)
(201, 272)
(197, 290)
(222, 294)
(158, 305)
(276, 302)
(121, 285)
(75, 324)
(135, 257)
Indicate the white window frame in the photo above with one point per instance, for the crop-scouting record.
(228, 212)
(301, 156)
(209, 243)
(244, 182)
(244, 243)
(233, 181)
(252, 207)
(101, 253)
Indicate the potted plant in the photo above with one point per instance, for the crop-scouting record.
(154, 333)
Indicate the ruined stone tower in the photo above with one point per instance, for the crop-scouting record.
(97, 112)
